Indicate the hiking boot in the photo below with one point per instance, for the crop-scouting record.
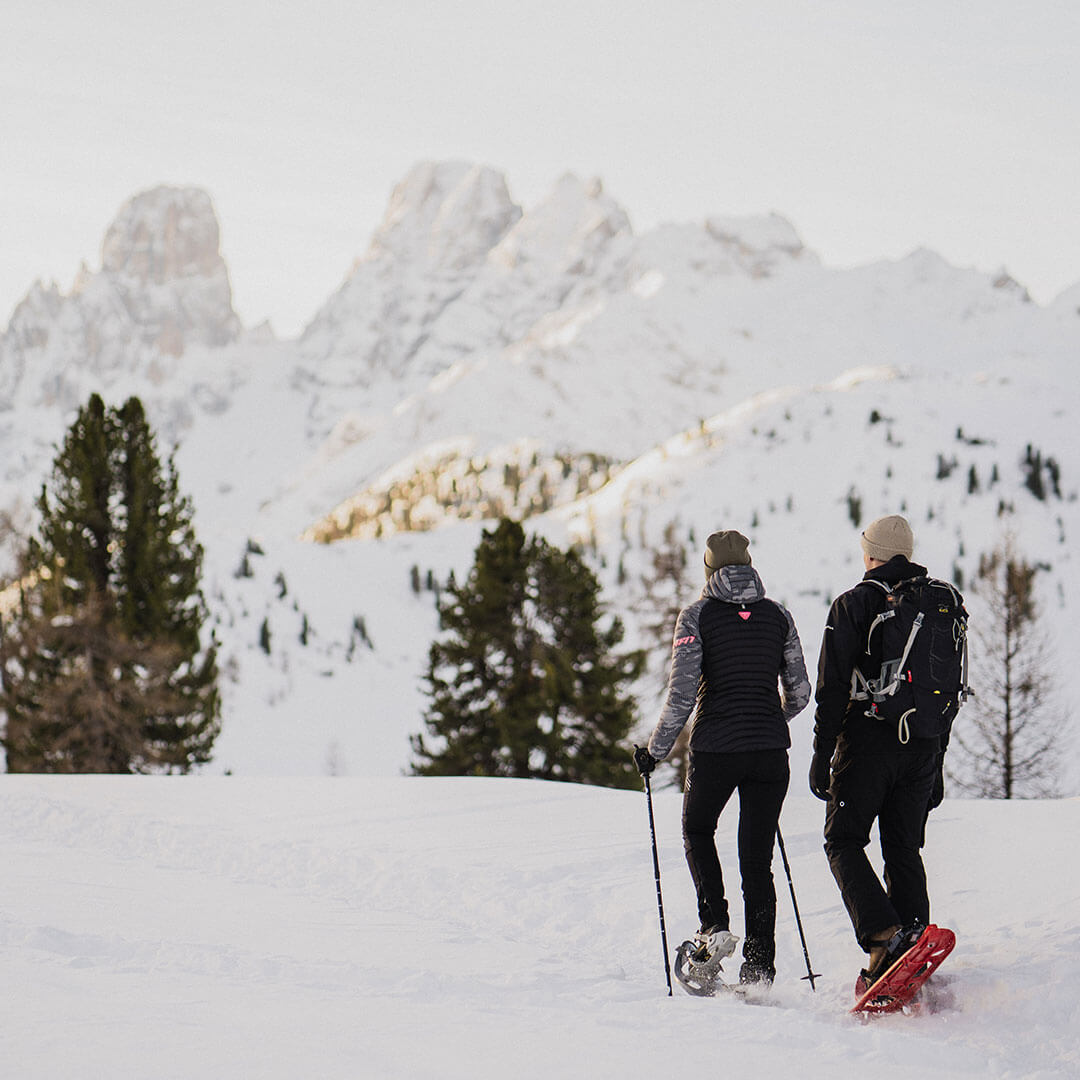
(751, 974)
(714, 943)
(884, 952)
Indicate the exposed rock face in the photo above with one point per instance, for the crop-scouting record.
(162, 236)
(163, 287)
(162, 256)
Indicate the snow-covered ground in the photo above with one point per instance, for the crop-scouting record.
(462, 928)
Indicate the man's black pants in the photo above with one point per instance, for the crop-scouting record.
(761, 778)
(894, 788)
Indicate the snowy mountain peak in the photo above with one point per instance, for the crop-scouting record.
(162, 256)
(567, 232)
(449, 214)
(456, 268)
(162, 236)
(442, 221)
(163, 287)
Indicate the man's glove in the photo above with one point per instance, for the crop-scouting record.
(644, 761)
(821, 768)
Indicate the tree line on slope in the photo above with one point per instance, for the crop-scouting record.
(106, 664)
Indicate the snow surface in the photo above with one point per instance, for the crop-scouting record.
(463, 928)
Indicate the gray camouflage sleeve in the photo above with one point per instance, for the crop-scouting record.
(682, 683)
(794, 683)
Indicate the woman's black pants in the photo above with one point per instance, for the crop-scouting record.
(761, 779)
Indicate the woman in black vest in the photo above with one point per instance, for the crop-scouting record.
(738, 672)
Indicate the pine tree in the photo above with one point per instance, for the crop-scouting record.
(524, 680)
(103, 667)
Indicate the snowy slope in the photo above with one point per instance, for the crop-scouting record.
(404, 928)
(481, 358)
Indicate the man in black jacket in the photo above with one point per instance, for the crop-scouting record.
(737, 668)
(865, 772)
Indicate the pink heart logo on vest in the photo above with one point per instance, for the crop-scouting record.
(744, 615)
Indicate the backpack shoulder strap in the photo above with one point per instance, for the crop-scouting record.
(953, 591)
(886, 589)
(861, 690)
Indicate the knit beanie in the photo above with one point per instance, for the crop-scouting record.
(727, 548)
(888, 536)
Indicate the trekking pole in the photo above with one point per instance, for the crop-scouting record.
(656, 872)
(810, 975)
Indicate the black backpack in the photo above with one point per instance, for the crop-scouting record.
(918, 645)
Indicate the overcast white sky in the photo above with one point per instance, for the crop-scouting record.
(874, 127)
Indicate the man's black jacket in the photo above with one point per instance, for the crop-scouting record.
(843, 647)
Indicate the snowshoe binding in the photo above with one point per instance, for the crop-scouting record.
(896, 987)
(698, 966)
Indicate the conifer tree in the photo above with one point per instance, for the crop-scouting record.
(103, 667)
(524, 681)
(1008, 742)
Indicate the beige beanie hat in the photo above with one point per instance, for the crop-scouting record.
(888, 536)
(727, 548)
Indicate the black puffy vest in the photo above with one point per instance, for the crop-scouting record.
(738, 702)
